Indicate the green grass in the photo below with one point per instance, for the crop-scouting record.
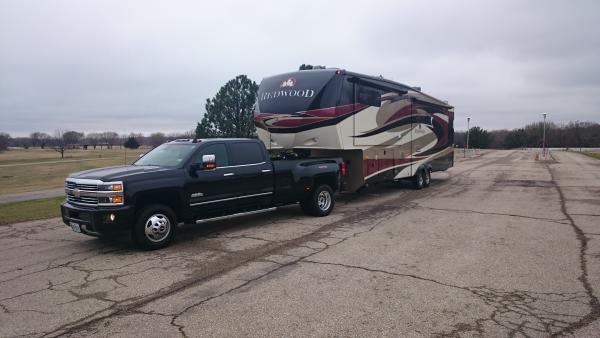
(591, 154)
(14, 212)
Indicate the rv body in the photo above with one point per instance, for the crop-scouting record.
(383, 130)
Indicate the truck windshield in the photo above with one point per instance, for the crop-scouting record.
(167, 155)
(298, 91)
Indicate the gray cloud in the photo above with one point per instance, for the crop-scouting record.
(150, 65)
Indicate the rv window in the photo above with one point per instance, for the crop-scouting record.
(347, 93)
(368, 95)
(328, 96)
(297, 92)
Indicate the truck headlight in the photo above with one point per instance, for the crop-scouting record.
(111, 193)
(112, 187)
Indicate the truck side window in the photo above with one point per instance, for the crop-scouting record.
(220, 152)
(246, 153)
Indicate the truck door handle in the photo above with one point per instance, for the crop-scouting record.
(266, 170)
(229, 174)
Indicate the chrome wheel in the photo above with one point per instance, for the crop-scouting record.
(157, 228)
(324, 200)
(427, 177)
(420, 179)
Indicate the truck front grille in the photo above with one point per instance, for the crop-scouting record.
(90, 192)
(82, 186)
(82, 200)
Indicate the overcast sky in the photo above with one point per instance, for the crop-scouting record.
(146, 66)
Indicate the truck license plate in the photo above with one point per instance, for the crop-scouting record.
(75, 226)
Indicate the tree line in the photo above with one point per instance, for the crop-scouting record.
(63, 140)
(575, 134)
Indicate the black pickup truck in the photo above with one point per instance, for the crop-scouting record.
(195, 181)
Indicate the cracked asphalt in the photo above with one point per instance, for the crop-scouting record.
(500, 245)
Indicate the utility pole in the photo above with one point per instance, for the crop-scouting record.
(544, 137)
(468, 130)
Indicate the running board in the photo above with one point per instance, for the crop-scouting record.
(240, 214)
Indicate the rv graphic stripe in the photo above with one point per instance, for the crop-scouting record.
(310, 119)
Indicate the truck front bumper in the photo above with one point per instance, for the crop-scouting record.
(98, 221)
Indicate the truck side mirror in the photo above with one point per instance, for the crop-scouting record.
(209, 162)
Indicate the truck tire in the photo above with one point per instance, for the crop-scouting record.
(426, 178)
(419, 179)
(155, 227)
(320, 203)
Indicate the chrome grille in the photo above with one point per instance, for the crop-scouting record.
(88, 187)
(82, 200)
(90, 192)
(82, 186)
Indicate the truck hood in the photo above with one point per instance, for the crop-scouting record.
(119, 173)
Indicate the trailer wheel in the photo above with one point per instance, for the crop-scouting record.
(426, 177)
(155, 227)
(320, 203)
(419, 180)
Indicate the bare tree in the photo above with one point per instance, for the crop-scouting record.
(72, 137)
(186, 134)
(58, 142)
(157, 139)
(110, 138)
(4, 141)
(39, 139)
(94, 139)
(122, 139)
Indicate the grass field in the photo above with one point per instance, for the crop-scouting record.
(595, 155)
(24, 156)
(25, 170)
(14, 212)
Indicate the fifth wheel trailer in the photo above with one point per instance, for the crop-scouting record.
(384, 130)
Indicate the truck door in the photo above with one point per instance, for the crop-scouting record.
(252, 174)
(210, 191)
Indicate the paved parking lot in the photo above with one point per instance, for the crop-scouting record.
(500, 245)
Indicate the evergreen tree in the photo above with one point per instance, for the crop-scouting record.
(131, 143)
(230, 112)
(479, 138)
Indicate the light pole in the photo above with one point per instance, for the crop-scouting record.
(468, 130)
(544, 137)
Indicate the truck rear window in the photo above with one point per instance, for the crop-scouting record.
(246, 153)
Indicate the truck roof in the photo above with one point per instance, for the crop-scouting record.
(199, 140)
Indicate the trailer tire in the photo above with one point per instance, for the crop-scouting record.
(320, 203)
(426, 178)
(154, 227)
(419, 179)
